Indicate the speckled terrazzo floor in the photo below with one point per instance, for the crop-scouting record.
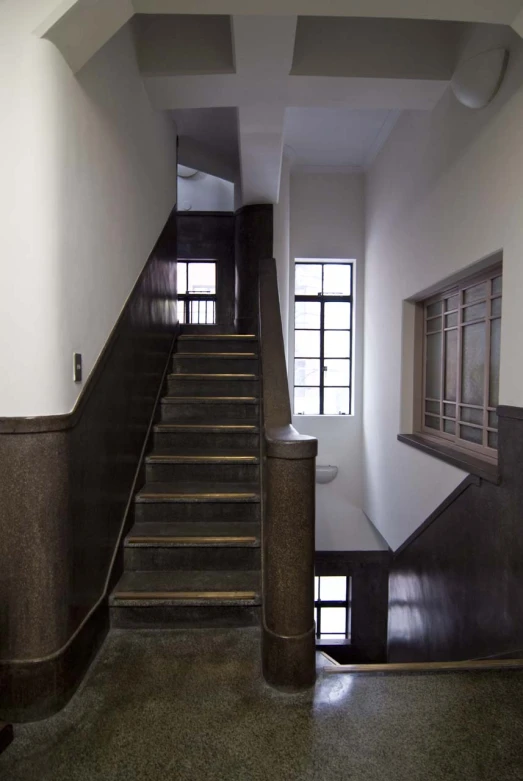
(192, 705)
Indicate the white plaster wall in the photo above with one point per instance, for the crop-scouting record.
(205, 193)
(445, 191)
(326, 220)
(88, 180)
(281, 242)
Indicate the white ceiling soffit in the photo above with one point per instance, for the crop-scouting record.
(79, 28)
(337, 138)
(213, 152)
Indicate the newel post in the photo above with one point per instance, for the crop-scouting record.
(289, 651)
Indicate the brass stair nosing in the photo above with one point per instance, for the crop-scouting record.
(195, 459)
(192, 540)
(209, 495)
(421, 667)
(186, 595)
(250, 426)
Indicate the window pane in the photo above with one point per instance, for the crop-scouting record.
(308, 279)
(471, 434)
(451, 364)
(473, 364)
(336, 372)
(337, 315)
(306, 401)
(337, 344)
(316, 588)
(451, 321)
(432, 406)
(475, 293)
(181, 278)
(449, 427)
(202, 278)
(469, 415)
(493, 420)
(496, 307)
(451, 303)
(336, 280)
(307, 314)
(307, 344)
(433, 366)
(474, 312)
(434, 309)
(493, 439)
(333, 589)
(306, 372)
(336, 401)
(495, 346)
(449, 410)
(434, 325)
(497, 285)
(432, 422)
(333, 620)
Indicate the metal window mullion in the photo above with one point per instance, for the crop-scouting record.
(486, 374)
(322, 352)
(459, 368)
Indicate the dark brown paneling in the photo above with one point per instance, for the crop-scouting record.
(65, 484)
(456, 591)
(253, 241)
(369, 571)
(210, 235)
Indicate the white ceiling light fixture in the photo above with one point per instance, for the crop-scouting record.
(186, 172)
(477, 80)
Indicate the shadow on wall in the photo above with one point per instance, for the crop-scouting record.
(198, 191)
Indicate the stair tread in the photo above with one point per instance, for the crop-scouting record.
(228, 492)
(149, 587)
(218, 337)
(216, 355)
(214, 376)
(210, 400)
(232, 426)
(202, 456)
(195, 533)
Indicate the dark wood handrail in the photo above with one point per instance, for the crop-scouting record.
(288, 510)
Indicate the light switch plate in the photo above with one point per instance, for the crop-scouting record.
(77, 367)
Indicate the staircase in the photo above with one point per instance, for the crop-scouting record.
(192, 558)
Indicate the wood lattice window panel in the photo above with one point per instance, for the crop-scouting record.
(461, 337)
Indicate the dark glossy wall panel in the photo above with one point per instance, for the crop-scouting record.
(253, 242)
(456, 591)
(65, 484)
(210, 235)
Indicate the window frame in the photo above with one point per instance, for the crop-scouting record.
(190, 300)
(484, 450)
(323, 299)
(346, 604)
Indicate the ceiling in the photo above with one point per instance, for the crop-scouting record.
(336, 137)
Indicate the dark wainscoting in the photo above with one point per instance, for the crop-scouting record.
(65, 490)
(253, 242)
(369, 571)
(456, 587)
(210, 236)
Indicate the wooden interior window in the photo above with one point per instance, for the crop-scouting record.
(461, 358)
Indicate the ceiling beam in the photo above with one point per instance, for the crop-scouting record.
(260, 133)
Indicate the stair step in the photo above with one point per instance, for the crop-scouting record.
(206, 587)
(193, 546)
(222, 384)
(234, 435)
(215, 362)
(208, 408)
(212, 343)
(207, 502)
(198, 492)
(219, 466)
(181, 535)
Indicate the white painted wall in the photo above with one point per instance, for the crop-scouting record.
(88, 180)
(326, 220)
(445, 191)
(205, 193)
(281, 243)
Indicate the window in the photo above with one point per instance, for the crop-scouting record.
(461, 336)
(323, 337)
(197, 291)
(332, 603)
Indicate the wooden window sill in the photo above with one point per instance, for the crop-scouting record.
(484, 469)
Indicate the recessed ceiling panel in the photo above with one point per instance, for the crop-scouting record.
(183, 44)
(336, 137)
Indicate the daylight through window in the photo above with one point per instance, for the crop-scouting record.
(323, 312)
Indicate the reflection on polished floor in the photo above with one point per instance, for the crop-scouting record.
(192, 705)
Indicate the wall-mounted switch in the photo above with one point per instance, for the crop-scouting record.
(77, 367)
